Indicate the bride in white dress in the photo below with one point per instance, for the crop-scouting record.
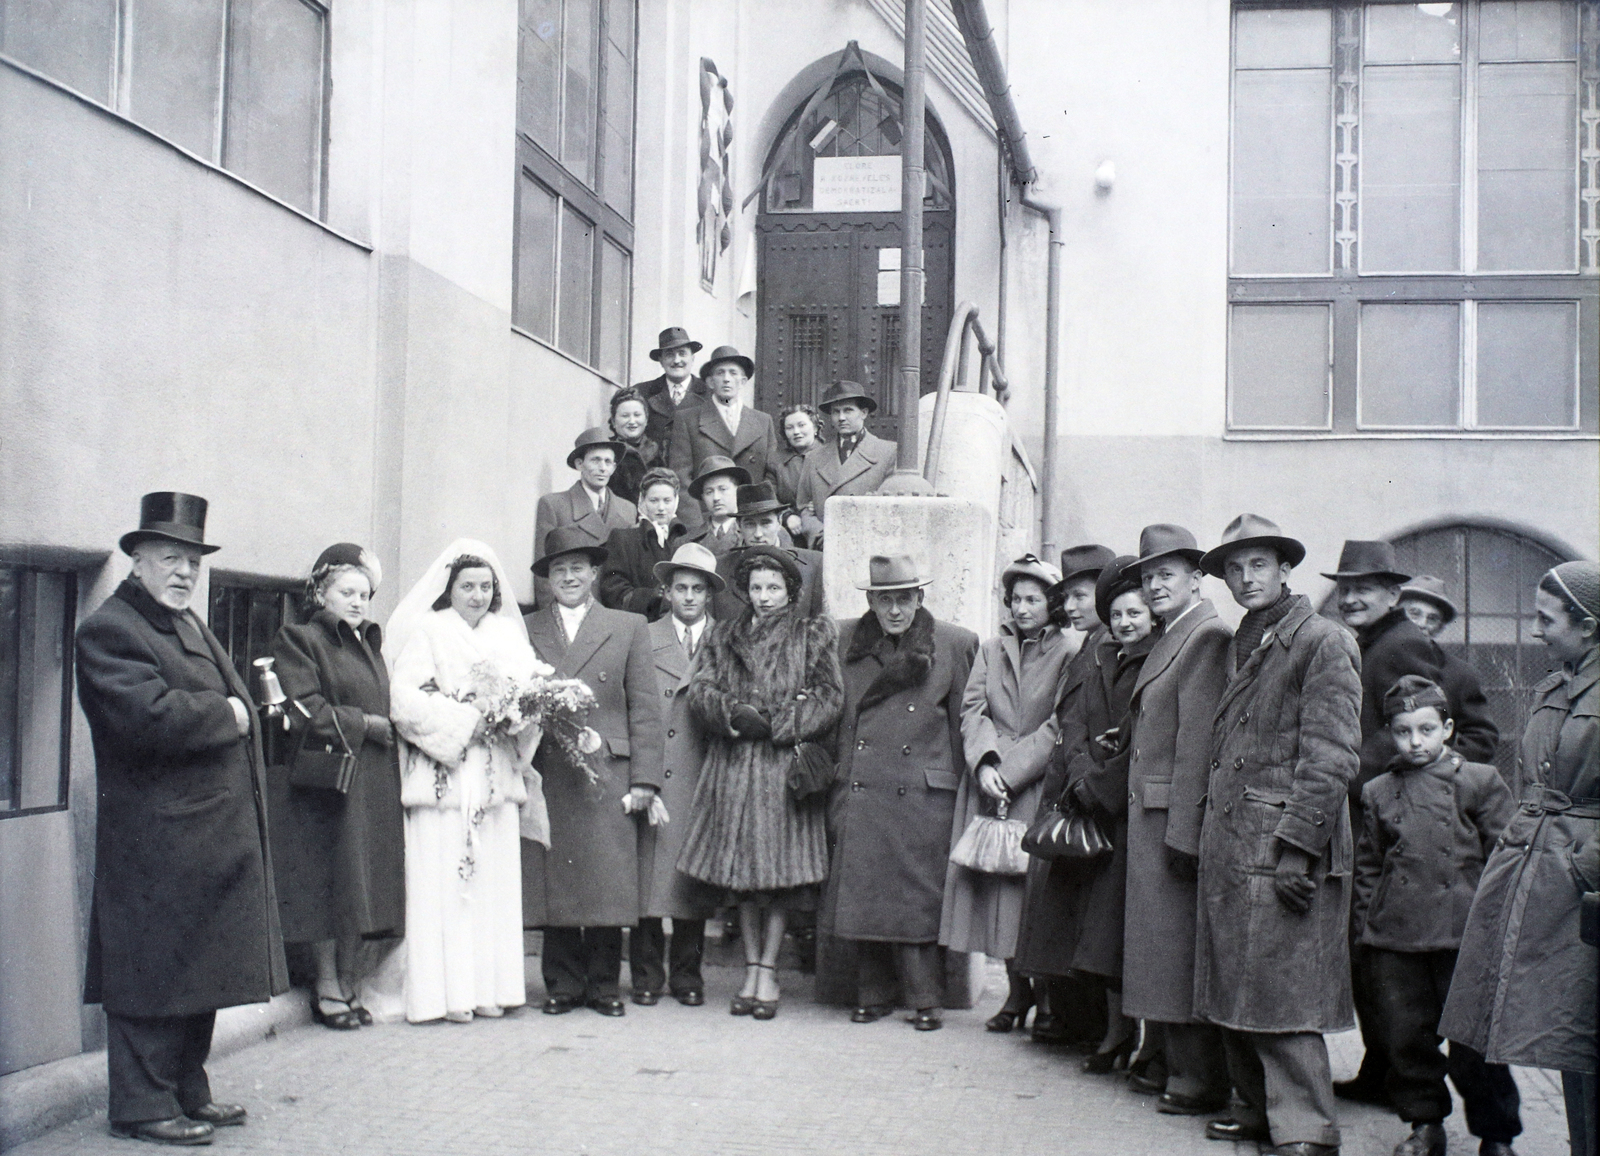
(468, 795)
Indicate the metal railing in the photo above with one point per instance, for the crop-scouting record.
(964, 326)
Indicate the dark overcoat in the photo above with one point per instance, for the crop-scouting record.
(184, 918)
(701, 433)
(663, 413)
(862, 472)
(632, 465)
(627, 578)
(1285, 746)
(668, 893)
(730, 601)
(589, 877)
(1524, 988)
(900, 762)
(572, 507)
(790, 464)
(339, 860)
(1169, 761)
(1043, 943)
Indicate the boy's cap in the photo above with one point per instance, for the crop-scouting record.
(1413, 692)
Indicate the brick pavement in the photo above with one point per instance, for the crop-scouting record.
(671, 1079)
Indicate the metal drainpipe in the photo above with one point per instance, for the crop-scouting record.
(979, 35)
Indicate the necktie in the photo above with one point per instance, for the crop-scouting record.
(688, 641)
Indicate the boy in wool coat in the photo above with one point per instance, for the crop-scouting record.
(1431, 820)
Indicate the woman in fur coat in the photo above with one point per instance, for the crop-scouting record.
(462, 788)
(765, 682)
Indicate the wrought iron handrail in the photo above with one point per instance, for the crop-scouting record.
(964, 325)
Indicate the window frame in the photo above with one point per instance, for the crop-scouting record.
(1345, 288)
(69, 622)
(535, 164)
(293, 589)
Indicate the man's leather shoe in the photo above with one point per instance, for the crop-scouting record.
(694, 997)
(178, 1130)
(609, 1005)
(1177, 1104)
(927, 1020)
(1148, 1077)
(1302, 1148)
(1425, 1140)
(1359, 1091)
(1228, 1128)
(1496, 1148)
(870, 1013)
(219, 1115)
(646, 998)
(558, 1005)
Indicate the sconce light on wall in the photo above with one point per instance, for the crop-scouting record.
(1104, 177)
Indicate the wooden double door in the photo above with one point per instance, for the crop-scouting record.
(829, 306)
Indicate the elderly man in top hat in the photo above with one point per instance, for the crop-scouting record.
(584, 889)
(1169, 759)
(900, 762)
(185, 919)
(1272, 957)
(589, 504)
(723, 426)
(1392, 646)
(688, 581)
(857, 463)
(677, 390)
(759, 525)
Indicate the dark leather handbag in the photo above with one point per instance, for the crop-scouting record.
(1062, 831)
(322, 766)
(810, 771)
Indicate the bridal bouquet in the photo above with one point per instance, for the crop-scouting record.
(560, 705)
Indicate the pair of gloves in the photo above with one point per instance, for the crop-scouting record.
(749, 723)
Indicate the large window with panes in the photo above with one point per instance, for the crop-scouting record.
(574, 225)
(1415, 218)
(239, 83)
(38, 605)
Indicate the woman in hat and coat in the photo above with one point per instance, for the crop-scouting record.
(468, 792)
(765, 682)
(1525, 981)
(627, 581)
(1009, 727)
(339, 858)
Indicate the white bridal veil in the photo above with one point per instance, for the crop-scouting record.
(418, 603)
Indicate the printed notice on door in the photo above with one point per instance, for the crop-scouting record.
(856, 185)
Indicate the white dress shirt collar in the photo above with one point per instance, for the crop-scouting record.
(572, 617)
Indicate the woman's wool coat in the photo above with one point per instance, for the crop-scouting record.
(1043, 944)
(900, 762)
(1009, 709)
(1169, 760)
(589, 875)
(628, 579)
(184, 918)
(1285, 744)
(1093, 915)
(339, 859)
(1524, 989)
(746, 834)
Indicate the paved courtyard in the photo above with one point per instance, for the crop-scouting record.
(671, 1079)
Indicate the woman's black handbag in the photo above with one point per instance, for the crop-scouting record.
(321, 766)
(810, 771)
(1062, 831)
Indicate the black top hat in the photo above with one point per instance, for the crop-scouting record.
(590, 438)
(1361, 559)
(1163, 538)
(674, 337)
(1078, 561)
(727, 353)
(847, 391)
(757, 499)
(1251, 530)
(714, 465)
(1115, 580)
(567, 540)
(172, 517)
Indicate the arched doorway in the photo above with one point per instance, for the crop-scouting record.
(828, 247)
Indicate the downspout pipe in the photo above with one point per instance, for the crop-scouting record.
(980, 38)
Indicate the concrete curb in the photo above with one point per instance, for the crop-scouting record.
(38, 1099)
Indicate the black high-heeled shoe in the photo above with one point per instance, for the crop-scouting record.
(1008, 1018)
(345, 1021)
(765, 1009)
(1101, 1063)
(743, 1005)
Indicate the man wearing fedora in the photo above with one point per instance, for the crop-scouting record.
(1272, 955)
(1392, 646)
(716, 486)
(185, 920)
(1169, 759)
(894, 796)
(588, 503)
(688, 580)
(723, 426)
(677, 390)
(759, 525)
(585, 888)
(857, 463)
